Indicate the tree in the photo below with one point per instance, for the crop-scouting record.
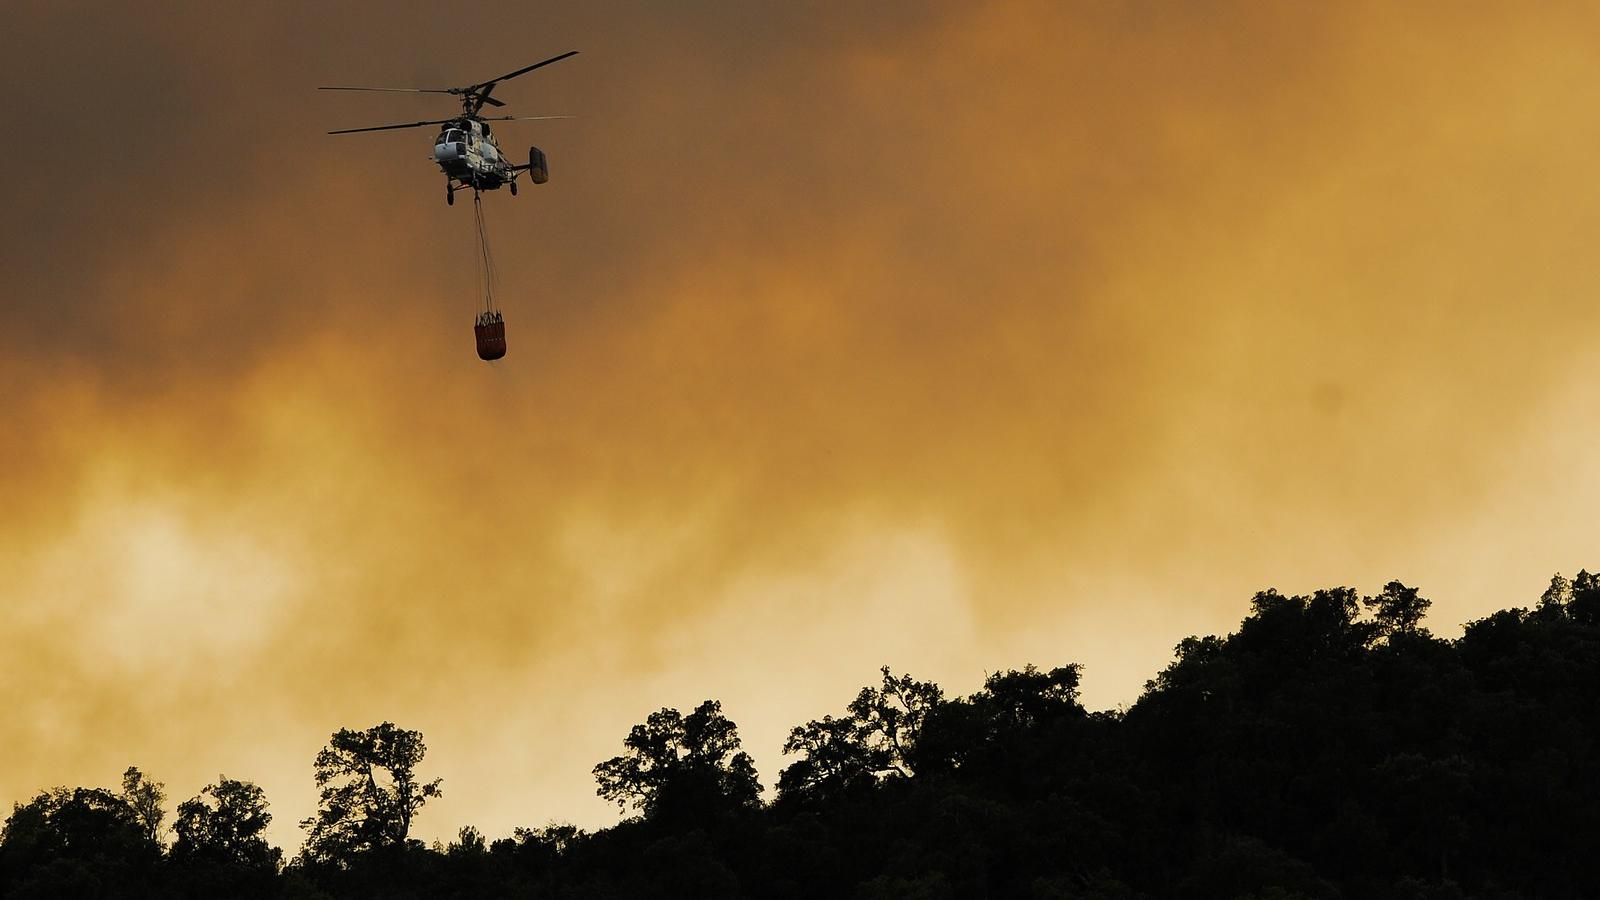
(877, 739)
(1557, 595)
(990, 725)
(1584, 607)
(144, 797)
(74, 842)
(681, 767)
(225, 824)
(835, 759)
(1020, 699)
(1398, 609)
(1297, 630)
(469, 842)
(893, 715)
(370, 793)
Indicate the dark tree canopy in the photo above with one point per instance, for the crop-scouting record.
(145, 798)
(681, 766)
(75, 842)
(835, 759)
(1398, 609)
(1330, 747)
(1013, 702)
(876, 739)
(370, 793)
(1584, 605)
(225, 824)
(1013, 708)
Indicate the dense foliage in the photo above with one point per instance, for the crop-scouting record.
(1329, 748)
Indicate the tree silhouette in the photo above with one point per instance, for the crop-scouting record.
(225, 823)
(1555, 597)
(369, 793)
(681, 767)
(1398, 609)
(144, 797)
(1022, 699)
(79, 842)
(876, 740)
(992, 723)
(893, 715)
(835, 759)
(1584, 607)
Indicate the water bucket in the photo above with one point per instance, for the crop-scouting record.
(491, 334)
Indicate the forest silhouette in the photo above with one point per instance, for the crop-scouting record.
(1330, 747)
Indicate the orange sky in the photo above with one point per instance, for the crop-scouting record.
(948, 336)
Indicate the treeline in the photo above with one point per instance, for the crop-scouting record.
(1331, 747)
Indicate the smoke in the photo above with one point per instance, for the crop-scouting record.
(948, 336)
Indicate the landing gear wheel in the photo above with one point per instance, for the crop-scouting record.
(513, 187)
(450, 194)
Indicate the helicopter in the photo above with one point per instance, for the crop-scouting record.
(466, 149)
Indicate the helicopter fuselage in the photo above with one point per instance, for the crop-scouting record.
(467, 153)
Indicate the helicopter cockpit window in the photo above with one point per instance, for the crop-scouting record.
(486, 131)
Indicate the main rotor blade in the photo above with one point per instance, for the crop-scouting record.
(392, 127)
(392, 90)
(520, 118)
(526, 69)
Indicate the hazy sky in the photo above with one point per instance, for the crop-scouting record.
(948, 336)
